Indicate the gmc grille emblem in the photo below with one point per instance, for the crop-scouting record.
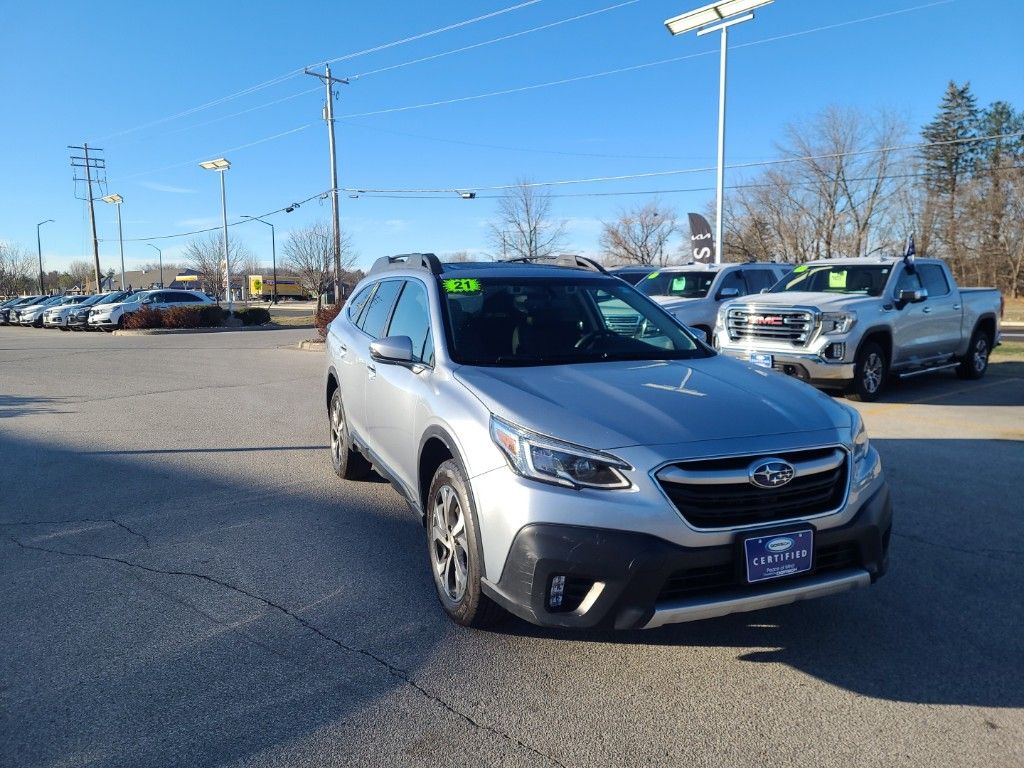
(766, 320)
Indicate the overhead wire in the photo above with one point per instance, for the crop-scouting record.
(296, 72)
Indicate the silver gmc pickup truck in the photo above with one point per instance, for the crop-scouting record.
(851, 323)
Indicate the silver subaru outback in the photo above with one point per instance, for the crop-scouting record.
(580, 459)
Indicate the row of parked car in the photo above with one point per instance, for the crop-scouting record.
(98, 311)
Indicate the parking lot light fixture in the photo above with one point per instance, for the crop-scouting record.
(161, 255)
(717, 17)
(220, 165)
(117, 200)
(273, 250)
(39, 248)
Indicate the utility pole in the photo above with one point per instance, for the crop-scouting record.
(329, 117)
(99, 165)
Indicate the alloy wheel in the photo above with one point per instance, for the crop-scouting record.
(980, 356)
(872, 374)
(449, 551)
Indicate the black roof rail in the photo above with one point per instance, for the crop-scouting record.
(562, 260)
(428, 261)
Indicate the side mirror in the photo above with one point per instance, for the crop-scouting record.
(728, 293)
(915, 296)
(392, 349)
(700, 334)
(765, 290)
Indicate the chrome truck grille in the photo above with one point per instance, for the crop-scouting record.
(790, 325)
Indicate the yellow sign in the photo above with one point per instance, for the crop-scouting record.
(255, 285)
(186, 279)
(837, 279)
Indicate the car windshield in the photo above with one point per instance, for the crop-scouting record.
(114, 298)
(553, 321)
(96, 298)
(859, 279)
(680, 285)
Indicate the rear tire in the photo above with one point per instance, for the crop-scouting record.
(974, 364)
(348, 463)
(870, 372)
(453, 549)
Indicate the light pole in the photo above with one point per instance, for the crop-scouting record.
(706, 20)
(117, 200)
(221, 165)
(273, 251)
(39, 248)
(161, 255)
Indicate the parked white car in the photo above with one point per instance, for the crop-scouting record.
(111, 316)
(57, 315)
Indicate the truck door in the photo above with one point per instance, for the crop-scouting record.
(943, 309)
(910, 323)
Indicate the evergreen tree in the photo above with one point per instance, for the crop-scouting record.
(949, 162)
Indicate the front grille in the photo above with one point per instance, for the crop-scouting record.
(726, 577)
(733, 501)
(790, 325)
(625, 324)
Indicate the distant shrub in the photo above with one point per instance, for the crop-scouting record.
(253, 315)
(324, 317)
(212, 315)
(144, 317)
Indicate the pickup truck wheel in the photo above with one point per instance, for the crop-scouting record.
(870, 372)
(348, 464)
(453, 541)
(975, 363)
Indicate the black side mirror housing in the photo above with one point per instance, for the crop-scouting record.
(727, 293)
(915, 296)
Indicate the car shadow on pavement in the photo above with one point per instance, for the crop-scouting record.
(1002, 385)
(155, 614)
(18, 405)
(942, 627)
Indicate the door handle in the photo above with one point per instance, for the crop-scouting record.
(342, 348)
(371, 371)
(956, 307)
(926, 310)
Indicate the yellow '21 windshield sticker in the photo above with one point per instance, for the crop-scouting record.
(461, 285)
(837, 279)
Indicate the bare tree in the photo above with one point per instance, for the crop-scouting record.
(836, 194)
(17, 269)
(523, 227)
(640, 235)
(80, 271)
(206, 256)
(309, 253)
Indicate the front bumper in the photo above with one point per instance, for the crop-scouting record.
(806, 366)
(623, 580)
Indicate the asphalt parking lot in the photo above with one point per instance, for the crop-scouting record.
(183, 581)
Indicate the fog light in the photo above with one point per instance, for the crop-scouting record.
(556, 591)
(835, 351)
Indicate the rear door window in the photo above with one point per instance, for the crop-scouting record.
(759, 278)
(354, 306)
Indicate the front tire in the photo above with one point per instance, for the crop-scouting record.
(974, 364)
(348, 463)
(453, 542)
(870, 371)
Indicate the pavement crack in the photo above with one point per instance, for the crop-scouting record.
(132, 531)
(396, 672)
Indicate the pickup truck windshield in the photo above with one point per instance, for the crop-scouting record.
(681, 285)
(858, 279)
(555, 321)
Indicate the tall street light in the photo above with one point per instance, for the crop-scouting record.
(221, 165)
(716, 17)
(39, 247)
(161, 254)
(273, 251)
(117, 200)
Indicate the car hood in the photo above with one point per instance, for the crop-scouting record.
(620, 404)
(820, 300)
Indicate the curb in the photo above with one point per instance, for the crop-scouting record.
(311, 345)
(175, 331)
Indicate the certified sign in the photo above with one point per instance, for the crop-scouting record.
(784, 554)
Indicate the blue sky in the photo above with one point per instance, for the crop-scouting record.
(111, 75)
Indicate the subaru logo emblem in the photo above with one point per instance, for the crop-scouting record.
(771, 473)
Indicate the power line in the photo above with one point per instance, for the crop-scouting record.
(634, 67)
(465, 48)
(563, 81)
(654, 174)
(296, 72)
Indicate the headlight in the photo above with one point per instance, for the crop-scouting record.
(861, 444)
(552, 461)
(837, 322)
